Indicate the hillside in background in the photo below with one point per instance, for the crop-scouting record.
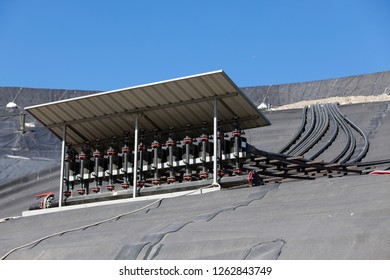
(278, 95)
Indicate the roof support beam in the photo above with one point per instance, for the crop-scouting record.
(145, 109)
(198, 126)
(135, 165)
(78, 133)
(63, 146)
(215, 120)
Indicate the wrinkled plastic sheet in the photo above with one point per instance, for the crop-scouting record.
(321, 219)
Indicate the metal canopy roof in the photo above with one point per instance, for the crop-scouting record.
(162, 105)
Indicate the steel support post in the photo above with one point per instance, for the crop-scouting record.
(215, 137)
(63, 147)
(135, 165)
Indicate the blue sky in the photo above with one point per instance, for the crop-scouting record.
(105, 45)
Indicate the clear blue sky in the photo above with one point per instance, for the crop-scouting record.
(104, 45)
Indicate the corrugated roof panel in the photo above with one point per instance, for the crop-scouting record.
(154, 97)
(163, 94)
(227, 82)
(89, 131)
(184, 87)
(190, 87)
(235, 109)
(105, 125)
(116, 101)
(199, 86)
(185, 118)
(170, 114)
(72, 137)
(169, 119)
(224, 112)
(94, 108)
(128, 122)
(128, 100)
(55, 115)
(111, 103)
(176, 93)
(136, 98)
(41, 116)
(148, 125)
(123, 122)
(173, 103)
(197, 113)
(104, 105)
(237, 106)
(88, 108)
(212, 84)
(71, 111)
(155, 117)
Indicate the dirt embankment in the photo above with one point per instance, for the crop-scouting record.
(341, 100)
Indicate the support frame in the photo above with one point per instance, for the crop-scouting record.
(63, 147)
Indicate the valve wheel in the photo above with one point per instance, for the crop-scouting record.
(67, 194)
(96, 190)
(156, 182)
(237, 171)
(171, 180)
(187, 177)
(81, 191)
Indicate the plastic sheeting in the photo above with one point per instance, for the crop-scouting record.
(339, 218)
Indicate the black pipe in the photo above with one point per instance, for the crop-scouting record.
(292, 150)
(318, 133)
(332, 138)
(204, 139)
(97, 157)
(156, 175)
(298, 133)
(84, 167)
(366, 145)
(350, 144)
(110, 154)
(70, 170)
(188, 174)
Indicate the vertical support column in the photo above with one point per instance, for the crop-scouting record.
(60, 195)
(215, 137)
(135, 165)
